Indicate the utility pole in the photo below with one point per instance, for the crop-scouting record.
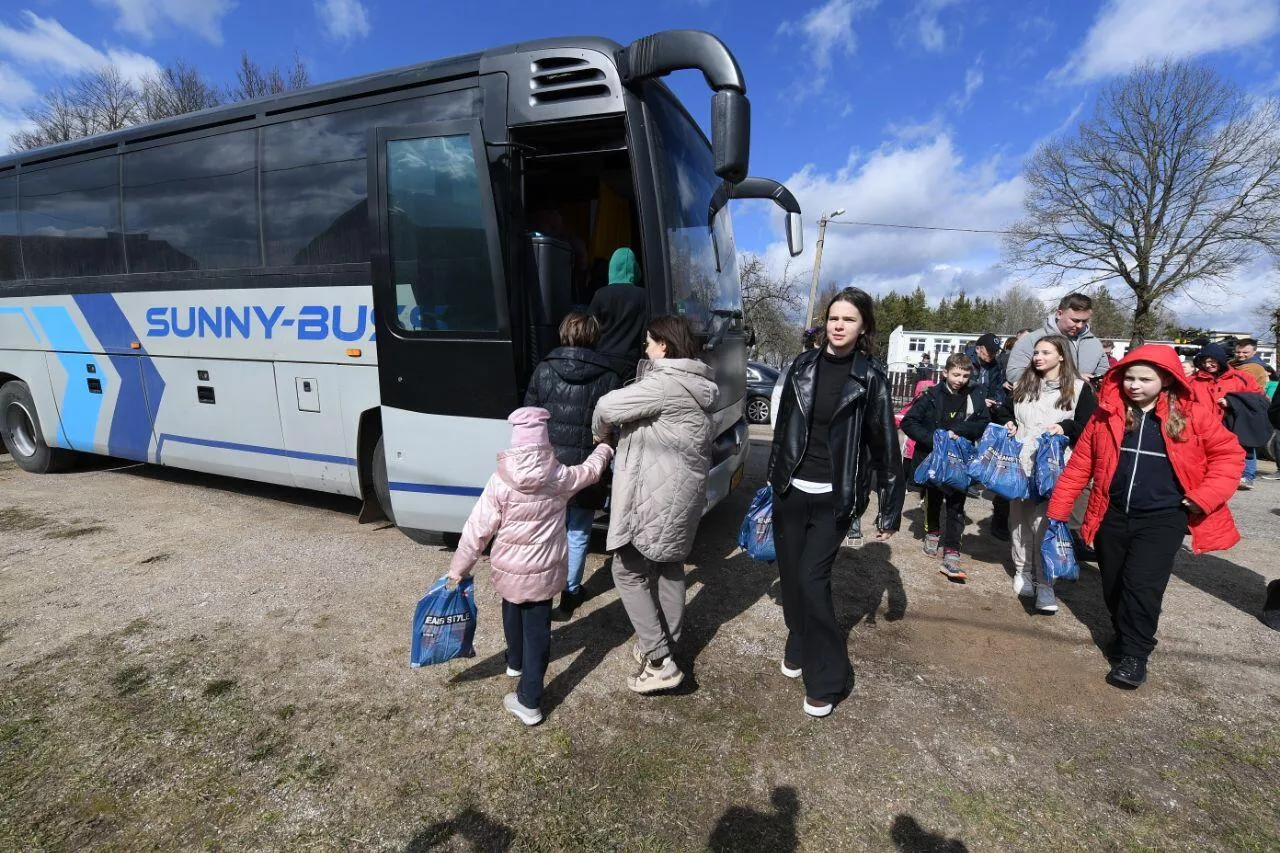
(809, 319)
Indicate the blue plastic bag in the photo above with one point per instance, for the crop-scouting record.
(947, 466)
(999, 467)
(1051, 458)
(1058, 553)
(755, 536)
(444, 623)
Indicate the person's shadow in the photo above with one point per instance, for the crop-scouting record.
(1244, 589)
(476, 827)
(744, 828)
(864, 578)
(910, 837)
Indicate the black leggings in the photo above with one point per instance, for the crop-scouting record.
(935, 500)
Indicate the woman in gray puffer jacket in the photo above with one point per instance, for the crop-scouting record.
(659, 490)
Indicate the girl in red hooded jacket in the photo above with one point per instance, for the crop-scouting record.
(1159, 464)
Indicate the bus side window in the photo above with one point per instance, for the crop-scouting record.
(439, 248)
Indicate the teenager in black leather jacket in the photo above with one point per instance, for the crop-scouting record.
(834, 428)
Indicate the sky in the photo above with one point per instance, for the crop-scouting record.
(916, 112)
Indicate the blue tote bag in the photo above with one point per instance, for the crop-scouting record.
(755, 536)
(947, 466)
(444, 623)
(1051, 459)
(1058, 553)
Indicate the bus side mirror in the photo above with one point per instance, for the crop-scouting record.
(795, 234)
(731, 134)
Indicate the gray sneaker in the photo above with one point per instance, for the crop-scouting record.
(932, 544)
(655, 679)
(528, 716)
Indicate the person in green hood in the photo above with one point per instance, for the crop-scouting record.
(622, 310)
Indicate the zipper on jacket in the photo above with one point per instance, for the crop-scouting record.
(1137, 457)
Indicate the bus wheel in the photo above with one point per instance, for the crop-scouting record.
(20, 428)
(381, 488)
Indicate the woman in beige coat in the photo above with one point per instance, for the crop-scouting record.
(659, 490)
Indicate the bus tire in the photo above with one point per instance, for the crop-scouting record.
(381, 487)
(20, 429)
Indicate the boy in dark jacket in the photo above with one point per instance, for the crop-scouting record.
(960, 408)
(622, 310)
(568, 383)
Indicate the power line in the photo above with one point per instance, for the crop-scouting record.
(915, 227)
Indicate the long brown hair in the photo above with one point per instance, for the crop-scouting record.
(1028, 387)
(860, 299)
(1175, 423)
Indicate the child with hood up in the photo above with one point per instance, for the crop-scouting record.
(522, 510)
(1214, 378)
(1161, 465)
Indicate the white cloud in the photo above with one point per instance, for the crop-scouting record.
(1128, 32)
(973, 78)
(825, 30)
(343, 20)
(145, 18)
(930, 32)
(922, 182)
(16, 88)
(46, 46)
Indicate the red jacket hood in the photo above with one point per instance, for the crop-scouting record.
(1111, 392)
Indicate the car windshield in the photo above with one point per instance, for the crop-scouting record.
(686, 181)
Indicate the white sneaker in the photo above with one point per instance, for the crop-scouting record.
(817, 710)
(655, 679)
(790, 671)
(1245, 485)
(1023, 585)
(514, 673)
(528, 716)
(1046, 601)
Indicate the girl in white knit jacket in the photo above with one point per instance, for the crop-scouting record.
(1049, 399)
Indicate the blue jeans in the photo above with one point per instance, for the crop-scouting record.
(579, 523)
(1250, 464)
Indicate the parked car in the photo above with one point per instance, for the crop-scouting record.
(760, 381)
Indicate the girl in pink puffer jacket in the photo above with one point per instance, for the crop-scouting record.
(522, 510)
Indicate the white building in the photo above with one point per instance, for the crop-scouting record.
(906, 347)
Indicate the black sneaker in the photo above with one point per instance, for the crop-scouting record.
(1129, 673)
(569, 602)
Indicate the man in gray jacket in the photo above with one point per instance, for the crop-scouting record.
(1072, 322)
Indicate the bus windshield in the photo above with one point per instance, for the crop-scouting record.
(686, 182)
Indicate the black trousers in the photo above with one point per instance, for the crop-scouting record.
(935, 500)
(808, 539)
(528, 630)
(1135, 559)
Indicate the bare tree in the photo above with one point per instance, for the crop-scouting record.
(770, 303)
(97, 102)
(253, 82)
(178, 88)
(1173, 183)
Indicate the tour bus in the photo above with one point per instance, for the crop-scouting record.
(346, 288)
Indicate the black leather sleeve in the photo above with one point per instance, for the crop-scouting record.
(886, 455)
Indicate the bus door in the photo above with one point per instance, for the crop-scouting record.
(445, 356)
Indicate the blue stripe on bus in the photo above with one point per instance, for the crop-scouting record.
(426, 488)
(141, 386)
(23, 314)
(248, 448)
(80, 408)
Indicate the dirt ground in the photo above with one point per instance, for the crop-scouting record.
(190, 662)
